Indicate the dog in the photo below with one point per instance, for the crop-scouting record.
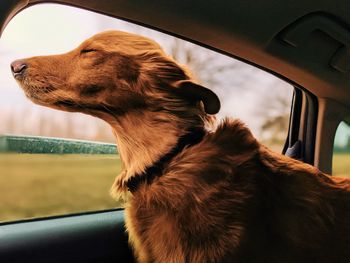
(195, 192)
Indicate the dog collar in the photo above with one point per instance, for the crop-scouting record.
(193, 137)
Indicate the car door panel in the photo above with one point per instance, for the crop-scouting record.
(95, 237)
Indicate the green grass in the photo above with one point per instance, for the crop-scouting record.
(341, 164)
(36, 185)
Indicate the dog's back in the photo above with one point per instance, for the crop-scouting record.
(306, 212)
(229, 199)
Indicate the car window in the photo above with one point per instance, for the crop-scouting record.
(341, 151)
(45, 171)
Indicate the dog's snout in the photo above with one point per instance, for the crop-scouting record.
(18, 67)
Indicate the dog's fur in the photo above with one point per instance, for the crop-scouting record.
(224, 199)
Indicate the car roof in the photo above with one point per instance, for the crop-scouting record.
(304, 41)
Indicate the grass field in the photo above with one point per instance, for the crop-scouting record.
(341, 164)
(36, 185)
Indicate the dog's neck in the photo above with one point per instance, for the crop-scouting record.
(142, 140)
(140, 143)
(192, 137)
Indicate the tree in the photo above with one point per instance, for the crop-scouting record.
(274, 113)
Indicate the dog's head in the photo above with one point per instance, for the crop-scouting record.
(112, 73)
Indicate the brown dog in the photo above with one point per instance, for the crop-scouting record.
(195, 195)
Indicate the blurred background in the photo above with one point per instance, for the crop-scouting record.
(44, 183)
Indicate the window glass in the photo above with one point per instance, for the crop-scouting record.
(341, 151)
(49, 182)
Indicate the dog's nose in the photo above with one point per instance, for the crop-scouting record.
(18, 67)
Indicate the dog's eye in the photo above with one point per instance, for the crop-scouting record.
(88, 50)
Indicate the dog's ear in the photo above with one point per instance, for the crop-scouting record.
(197, 92)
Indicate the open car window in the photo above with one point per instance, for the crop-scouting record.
(55, 162)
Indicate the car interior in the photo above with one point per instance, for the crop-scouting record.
(306, 43)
